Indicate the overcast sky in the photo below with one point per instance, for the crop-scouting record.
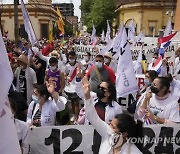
(77, 3)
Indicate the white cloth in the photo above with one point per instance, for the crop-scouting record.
(177, 68)
(175, 89)
(105, 131)
(113, 66)
(69, 70)
(110, 112)
(166, 109)
(48, 112)
(23, 134)
(30, 81)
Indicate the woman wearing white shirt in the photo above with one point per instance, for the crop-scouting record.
(159, 105)
(104, 100)
(42, 110)
(116, 134)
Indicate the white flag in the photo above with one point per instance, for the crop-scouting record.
(168, 28)
(8, 136)
(27, 24)
(131, 31)
(140, 37)
(93, 36)
(113, 46)
(138, 63)
(102, 36)
(125, 79)
(108, 37)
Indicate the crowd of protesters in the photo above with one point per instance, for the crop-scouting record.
(48, 75)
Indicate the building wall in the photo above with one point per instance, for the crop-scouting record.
(45, 15)
(177, 16)
(149, 18)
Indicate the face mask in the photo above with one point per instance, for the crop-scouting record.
(106, 60)
(116, 140)
(35, 99)
(154, 90)
(71, 60)
(147, 82)
(98, 64)
(86, 58)
(100, 93)
(52, 68)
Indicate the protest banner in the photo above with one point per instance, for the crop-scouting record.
(85, 140)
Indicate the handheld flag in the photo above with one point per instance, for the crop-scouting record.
(60, 22)
(93, 36)
(108, 37)
(9, 142)
(27, 24)
(126, 80)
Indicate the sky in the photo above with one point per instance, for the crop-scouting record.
(77, 3)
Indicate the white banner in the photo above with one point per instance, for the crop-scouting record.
(149, 50)
(81, 49)
(85, 140)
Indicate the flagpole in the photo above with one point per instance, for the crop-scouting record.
(16, 22)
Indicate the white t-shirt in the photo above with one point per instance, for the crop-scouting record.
(166, 109)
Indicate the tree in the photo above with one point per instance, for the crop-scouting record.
(98, 12)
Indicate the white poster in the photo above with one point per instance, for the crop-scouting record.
(83, 140)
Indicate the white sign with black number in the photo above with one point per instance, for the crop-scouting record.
(85, 140)
(63, 139)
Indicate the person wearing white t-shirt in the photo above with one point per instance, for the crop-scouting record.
(159, 106)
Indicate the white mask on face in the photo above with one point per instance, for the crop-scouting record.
(86, 58)
(52, 68)
(71, 60)
(98, 64)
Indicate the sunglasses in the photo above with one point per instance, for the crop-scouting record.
(102, 88)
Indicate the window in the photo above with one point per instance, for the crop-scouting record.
(152, 27)
(44, 30)
(22, 32)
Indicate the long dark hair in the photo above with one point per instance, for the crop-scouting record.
(42, 90)
(165, 82)
(133, 128)
(112, 90)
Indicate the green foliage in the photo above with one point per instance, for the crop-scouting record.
(68, 29)
(97, 12)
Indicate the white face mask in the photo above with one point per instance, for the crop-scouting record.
(35, 99)
(86, 58)
(52, 68)
(71, 60)
(98, 64)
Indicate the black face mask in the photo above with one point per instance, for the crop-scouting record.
(154, 90)
(100, 93)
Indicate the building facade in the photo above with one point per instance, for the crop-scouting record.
(150, 16)
(177, 16)
(67, 11)
(41, 13)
